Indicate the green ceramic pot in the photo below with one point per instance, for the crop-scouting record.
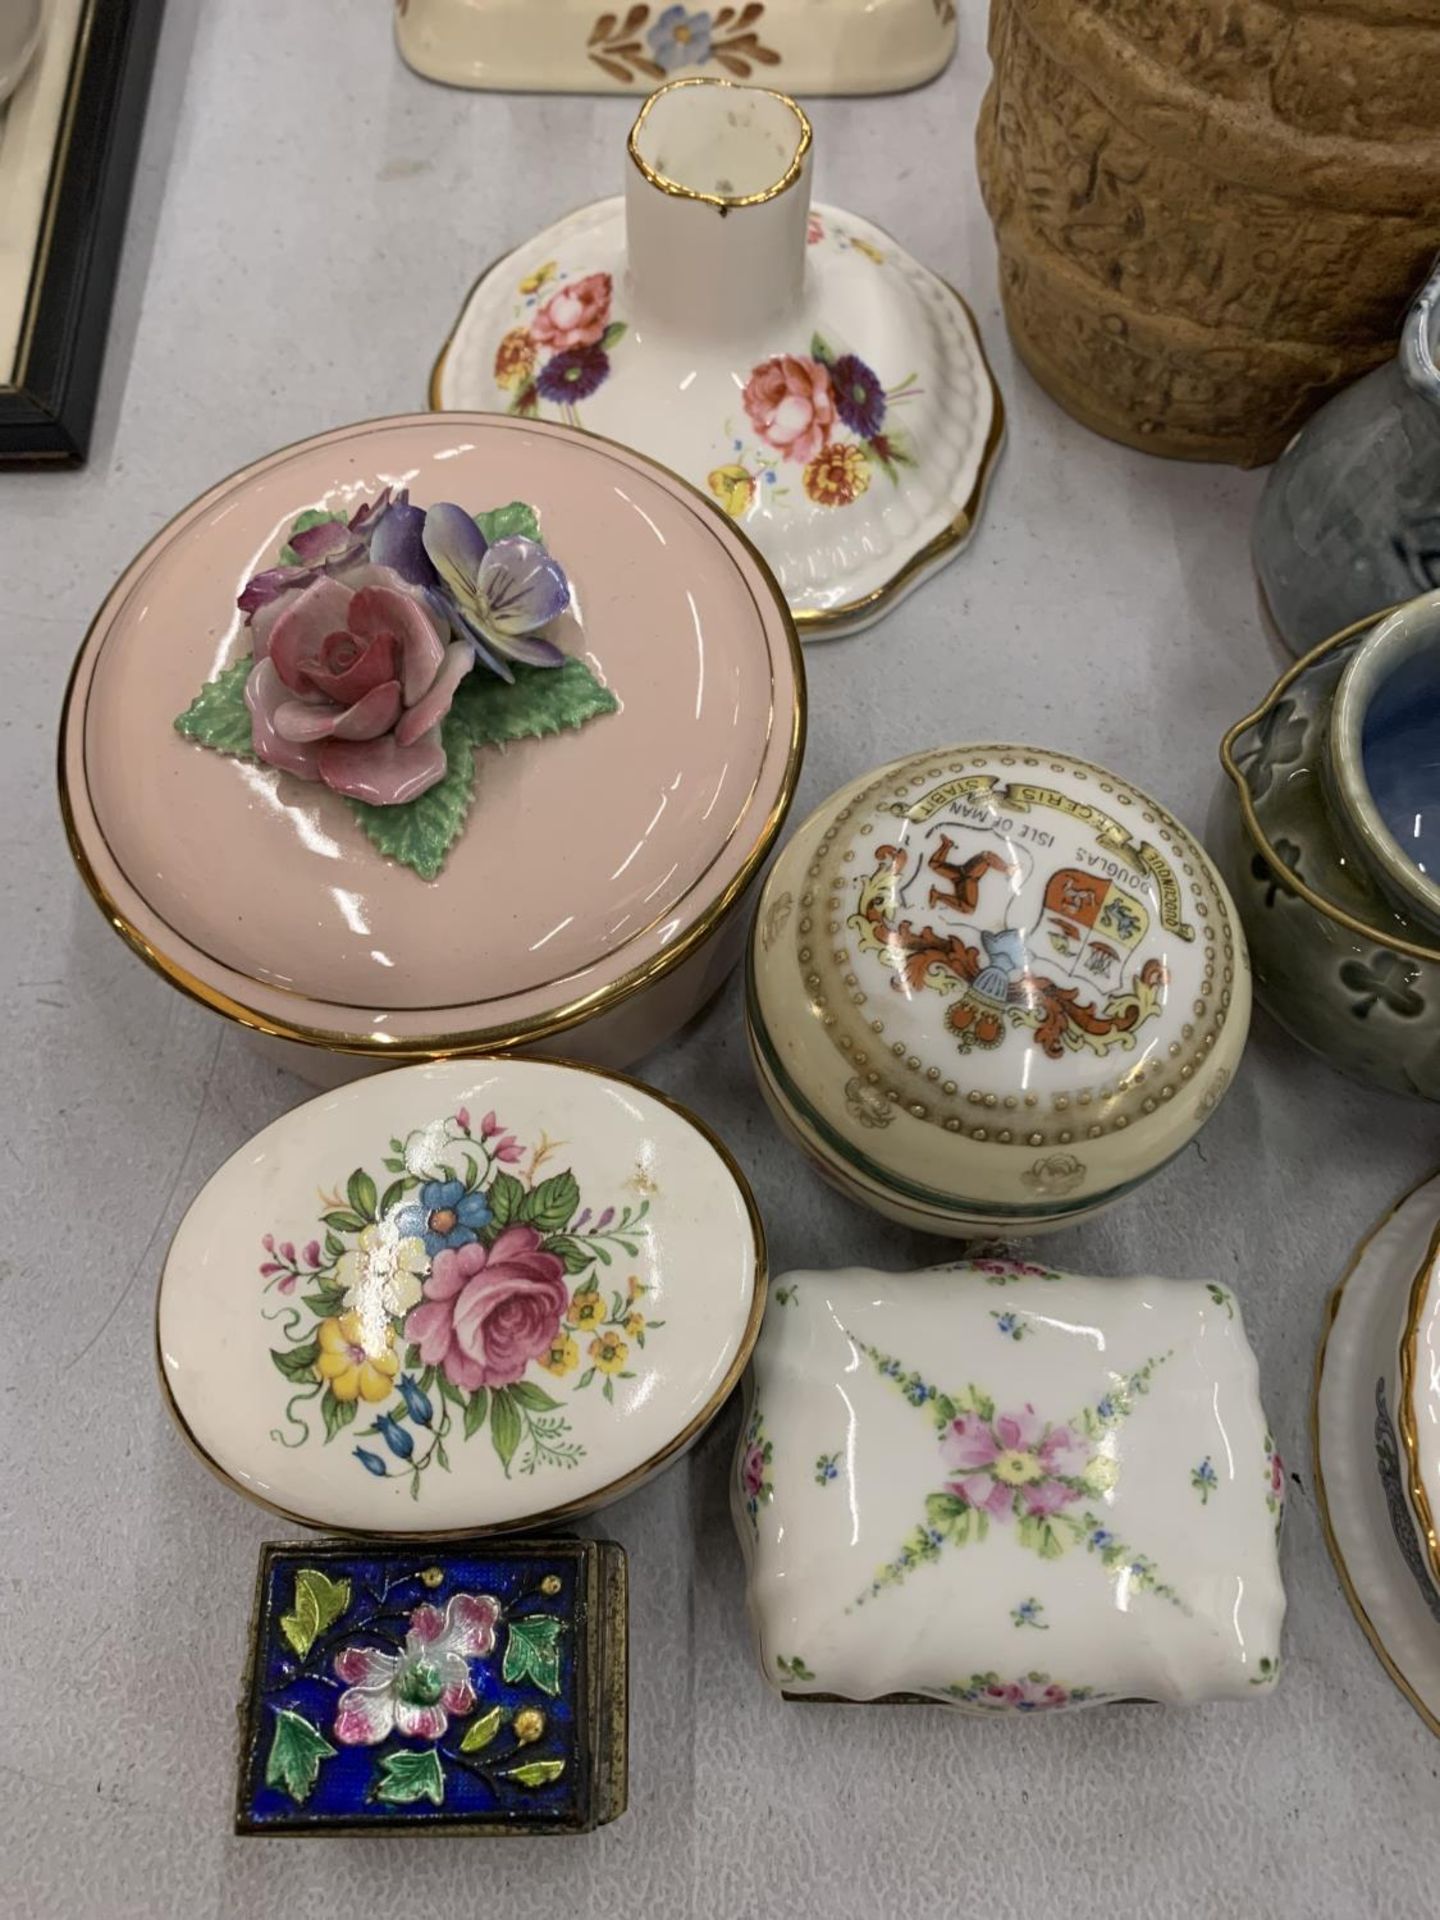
(1322, 838)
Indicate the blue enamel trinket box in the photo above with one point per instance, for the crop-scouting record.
(467, 1689)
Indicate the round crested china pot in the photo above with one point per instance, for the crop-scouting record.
(589, 902)
(1007, 1488)
(993, 988)
(461, 1297)
(577, 46)
(1377, 1442)
(827, 391)
(1347, 524)
(1330, 838)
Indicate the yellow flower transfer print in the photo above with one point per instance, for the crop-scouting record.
(609, 1351)
(563, 1356)
(348, 1369)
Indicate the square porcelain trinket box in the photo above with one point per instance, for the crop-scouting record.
(1002, 1487)
(474, 1689)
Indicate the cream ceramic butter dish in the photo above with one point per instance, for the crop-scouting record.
(437, 733)
(459, 1298)
(993, 988)
(575, 46)
(1377, 1442)
(1008, 1488)
(828, 391)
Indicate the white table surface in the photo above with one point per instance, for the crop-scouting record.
(307, 218)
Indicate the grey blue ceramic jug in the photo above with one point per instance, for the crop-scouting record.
(1349, 522)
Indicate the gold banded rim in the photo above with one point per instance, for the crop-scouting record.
(1327, 1524)
(565, 1510)
(1405, 1412)
(805, 135)
(497, 1036)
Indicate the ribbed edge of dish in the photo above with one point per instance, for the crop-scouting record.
(853, 615)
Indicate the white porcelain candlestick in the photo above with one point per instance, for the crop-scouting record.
(824, 388)
(717, 203)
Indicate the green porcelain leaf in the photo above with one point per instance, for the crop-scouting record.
(534, 1399)
(537, 1773)
(218, 716)
(360, 1192)
(407, 1775)
(421, 833)
(506, 1197)
(481, 1732)
(532, 1651)
(503, 523)
(319, 1603)
(542, 700)
(297, 1363)
(296, 1751)
(336, 1413)
(506, 1426)
(550, 1207)
(475, 1410)
(312, 517)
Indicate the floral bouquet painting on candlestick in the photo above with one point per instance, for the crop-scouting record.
(386, 648)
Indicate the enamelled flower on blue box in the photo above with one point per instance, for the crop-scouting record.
(477, 1689)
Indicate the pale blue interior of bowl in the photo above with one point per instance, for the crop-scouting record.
(1401, 751)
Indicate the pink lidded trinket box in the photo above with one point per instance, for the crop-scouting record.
(437, 734)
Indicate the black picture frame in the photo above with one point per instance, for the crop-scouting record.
(47, 405)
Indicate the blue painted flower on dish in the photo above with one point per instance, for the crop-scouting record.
(447, 1215)
(680, 38)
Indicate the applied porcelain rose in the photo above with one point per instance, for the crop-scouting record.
(594, 891)
(1008, 1488)
(577, 46)
(993, 988)
(461, 1297)
(828, 391)
(1377, 1442)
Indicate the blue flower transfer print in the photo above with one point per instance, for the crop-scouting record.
(446, 1216)
(680, 38)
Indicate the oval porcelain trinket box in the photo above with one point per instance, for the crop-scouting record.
(1007, 1488)
(993, 988)
(1377, 1442)
(436, 734)
(459, 1298)
(825, 388)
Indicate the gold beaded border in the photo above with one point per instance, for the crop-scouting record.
(1134, 1094)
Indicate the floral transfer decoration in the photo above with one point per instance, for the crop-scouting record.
(394, 1685)
(1203, 1480)
(826, 414)
(1015, 1469)
(557, 351)
(1274, 1483)
(1031, 1693)
(652, 43)
(432, 1311)
(756, 1452)
(386, 648)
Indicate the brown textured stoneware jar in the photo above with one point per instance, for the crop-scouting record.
(1211, 214)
